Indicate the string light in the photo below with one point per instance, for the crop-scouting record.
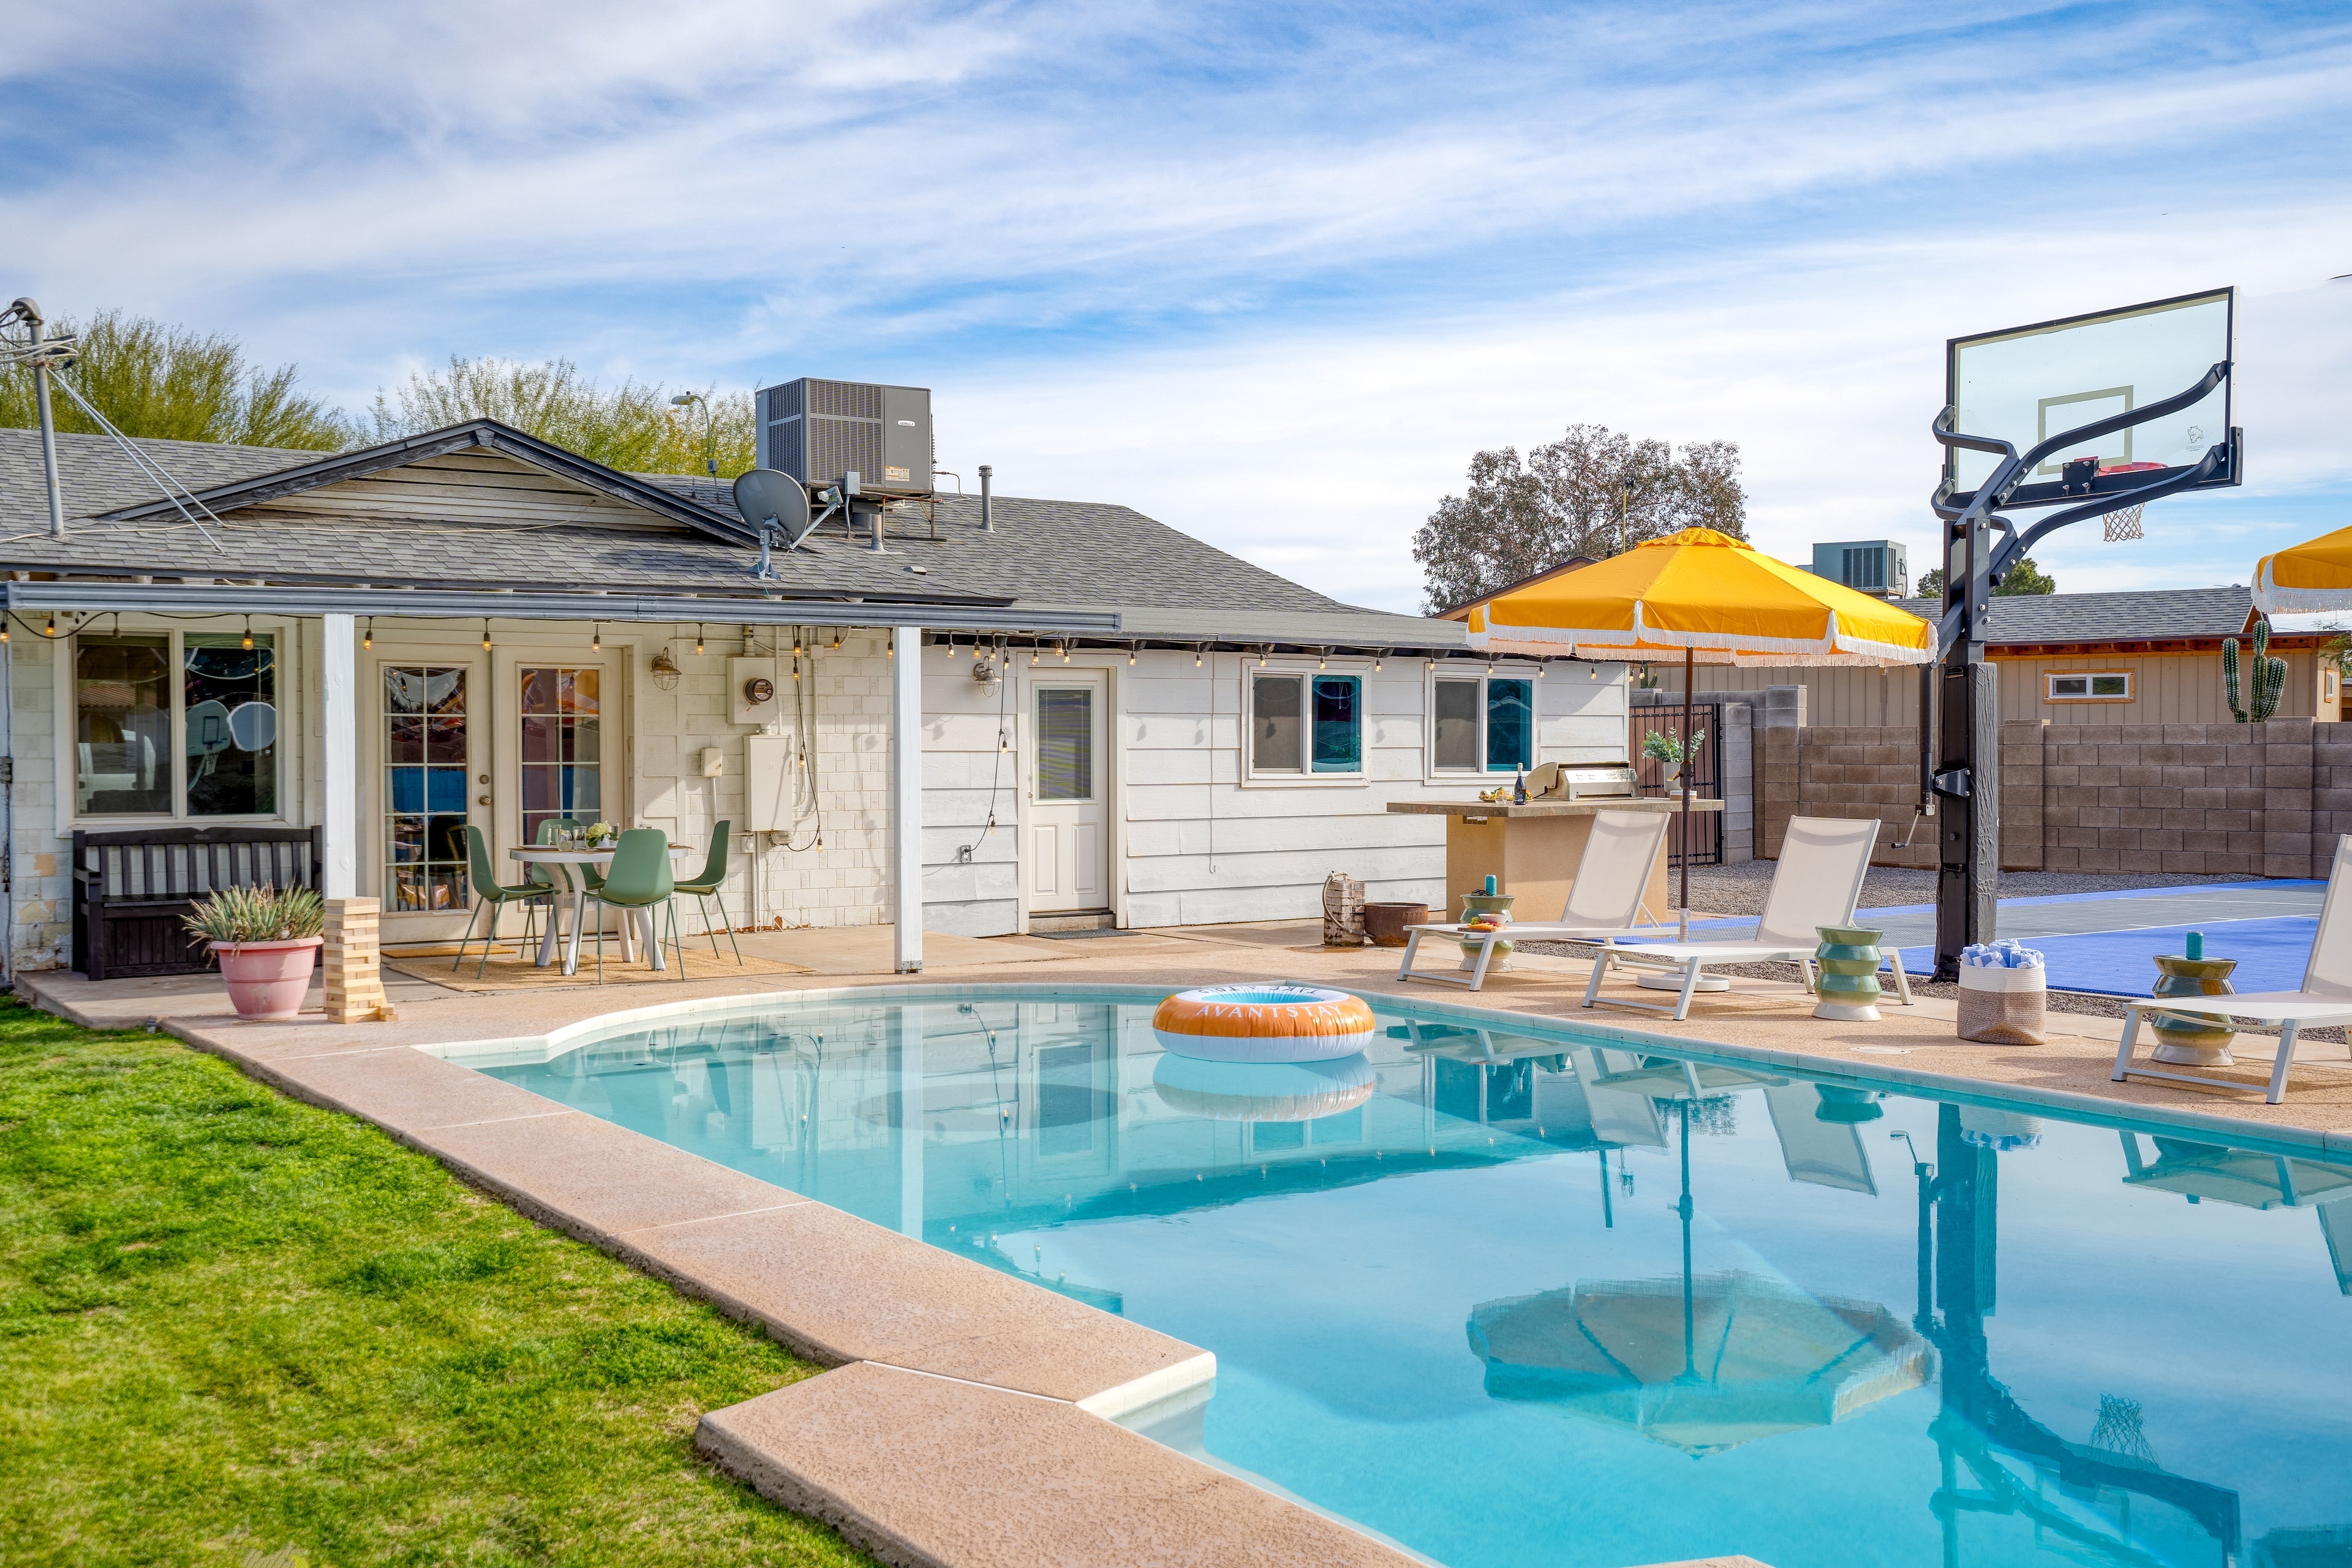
(1261, 658)
(1196, 658)
(890, 649)
(1065, 650)
(698, 637)
(796, 642)
(368, 639)
(596, 638)
(1033, 656)
(1322, 661)
(836, 639)
(485, 633)
(247, 644)
(1130, 656)
(1376, 660)
(951, 647)
(51, 629)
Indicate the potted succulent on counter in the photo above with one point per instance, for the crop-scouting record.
(267, 942)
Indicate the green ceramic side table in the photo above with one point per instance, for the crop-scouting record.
(1848, 987)
(2182, 1039)
(1485, 904)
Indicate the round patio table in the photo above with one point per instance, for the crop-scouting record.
(545, 855)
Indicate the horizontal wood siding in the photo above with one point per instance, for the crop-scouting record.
(469, 487)
(2167, 688)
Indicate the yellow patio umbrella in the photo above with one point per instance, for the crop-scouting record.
(2312, 578)
(1709, 597)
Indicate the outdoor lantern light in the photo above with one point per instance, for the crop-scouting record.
(247, 644)
(665, 671)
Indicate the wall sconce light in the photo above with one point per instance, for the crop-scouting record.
(665, 671)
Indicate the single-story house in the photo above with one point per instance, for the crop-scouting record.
(1065, 712)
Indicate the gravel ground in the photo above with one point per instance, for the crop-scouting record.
(1739, 890)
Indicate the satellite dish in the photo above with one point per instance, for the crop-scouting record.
(766, 496)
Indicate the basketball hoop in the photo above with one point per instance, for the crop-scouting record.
(2123, 525)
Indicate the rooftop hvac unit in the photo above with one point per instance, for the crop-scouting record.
(1873, 565)
(818, 431)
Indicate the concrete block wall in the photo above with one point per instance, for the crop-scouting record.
(40, 892)
(2249, 800)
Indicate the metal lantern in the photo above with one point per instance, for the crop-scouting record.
(665, 671)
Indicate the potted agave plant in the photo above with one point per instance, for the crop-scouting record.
(267, 943)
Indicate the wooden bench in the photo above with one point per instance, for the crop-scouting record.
(133, 886)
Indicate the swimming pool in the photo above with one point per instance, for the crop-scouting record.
(1524, 1296)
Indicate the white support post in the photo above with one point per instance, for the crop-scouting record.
(338, 685)
(906, 795)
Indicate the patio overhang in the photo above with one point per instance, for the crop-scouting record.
(972, 615)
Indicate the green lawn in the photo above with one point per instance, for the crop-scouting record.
(231, 1324)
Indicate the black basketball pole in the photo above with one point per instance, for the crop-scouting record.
(1964, 769)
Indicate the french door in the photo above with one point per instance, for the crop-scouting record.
(429, 778)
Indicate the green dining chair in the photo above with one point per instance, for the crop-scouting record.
(705, 889)
(638, 879)
(490, 894)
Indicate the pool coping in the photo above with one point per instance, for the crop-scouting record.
(946, 1378)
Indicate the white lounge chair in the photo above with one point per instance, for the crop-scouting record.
(2324, 999)
(1604, 901)
(1817, 883)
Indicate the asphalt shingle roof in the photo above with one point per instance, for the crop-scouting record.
(1042, 553)
(2160, 615)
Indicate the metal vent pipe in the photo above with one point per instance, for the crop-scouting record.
(987, 502)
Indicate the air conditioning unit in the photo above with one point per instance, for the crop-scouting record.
(1873, 565)
(818, 431)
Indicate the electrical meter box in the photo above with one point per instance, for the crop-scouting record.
(755, 693)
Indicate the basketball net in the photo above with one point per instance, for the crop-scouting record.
(2123, 524)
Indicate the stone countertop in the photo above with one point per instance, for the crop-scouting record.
(1547, 808)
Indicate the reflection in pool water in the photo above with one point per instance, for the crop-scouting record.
(1530, 1298)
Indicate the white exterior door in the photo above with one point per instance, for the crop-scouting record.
(1069, 791)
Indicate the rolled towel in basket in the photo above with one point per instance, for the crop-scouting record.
(2004, 995)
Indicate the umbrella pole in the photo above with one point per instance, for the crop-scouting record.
(1689, 757)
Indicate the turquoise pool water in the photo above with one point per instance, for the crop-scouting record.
(1526, 1298)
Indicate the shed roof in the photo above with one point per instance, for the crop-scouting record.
(2157, 614)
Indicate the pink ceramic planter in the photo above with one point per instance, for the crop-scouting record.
(267, 979)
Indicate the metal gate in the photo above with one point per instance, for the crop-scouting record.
(1699, 836)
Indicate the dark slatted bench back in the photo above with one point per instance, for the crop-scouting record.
(131, 886)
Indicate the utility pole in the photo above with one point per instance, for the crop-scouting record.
(41, 353)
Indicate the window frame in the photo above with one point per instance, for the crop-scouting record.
(1467, 672)
(286, 642)
(1359, 670)
(2051, 678)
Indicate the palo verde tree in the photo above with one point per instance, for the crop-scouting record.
(1592, 492)
(630, 427)
(173, 383)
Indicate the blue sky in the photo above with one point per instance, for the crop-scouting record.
(1270, 274)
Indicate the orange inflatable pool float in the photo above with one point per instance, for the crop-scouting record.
(1260, 1023)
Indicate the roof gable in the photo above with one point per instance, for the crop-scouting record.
(480, 468)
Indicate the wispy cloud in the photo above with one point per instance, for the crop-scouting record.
(1270, 272)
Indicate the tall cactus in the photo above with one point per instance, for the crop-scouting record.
(2270, 677)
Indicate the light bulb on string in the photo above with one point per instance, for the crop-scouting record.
(596, 638)
(1376, 660)
(1196, 658)
(367, 639)
(1130, 656)
(698, 637)
(485, 633)
(247, 643)
(51, 629)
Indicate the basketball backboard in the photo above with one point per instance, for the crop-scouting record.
(2026, 385)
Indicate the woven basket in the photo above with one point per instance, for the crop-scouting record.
(2004, 1006)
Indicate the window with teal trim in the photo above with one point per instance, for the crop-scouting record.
(1305, 724)
(1510, 726)
(1338, 724)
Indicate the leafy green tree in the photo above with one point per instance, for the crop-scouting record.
(630, 427)
(1592, 492)
(166, 381)
(2027, 578)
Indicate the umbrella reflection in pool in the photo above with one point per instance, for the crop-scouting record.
(1702, 1363)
